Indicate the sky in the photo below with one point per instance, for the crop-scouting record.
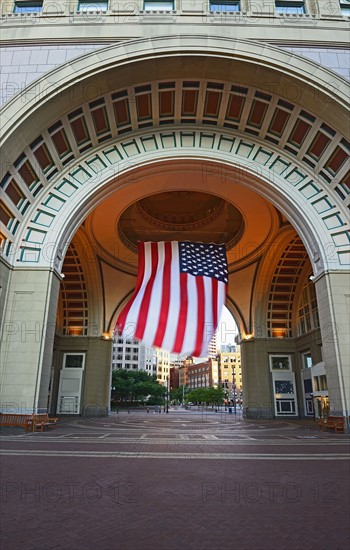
(227, 329)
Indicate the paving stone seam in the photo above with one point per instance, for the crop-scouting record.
(200, 456)
(183, 442)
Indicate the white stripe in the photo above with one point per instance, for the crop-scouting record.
(221, 298)
(174, 303)
(190, 336)
(156, 300)
(208, 316)
(133, 314)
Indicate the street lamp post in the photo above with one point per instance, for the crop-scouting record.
(167, 394)
(313, 406)
(234, 390)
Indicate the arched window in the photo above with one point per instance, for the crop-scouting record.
(307, 310)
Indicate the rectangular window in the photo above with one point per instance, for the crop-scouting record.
(290, 7)
(284, 386)
(74, 360)
(154, 5)
(280, 362)
(27, 7)
(93, 6)
(322, 382)
(307, 360)
(285, 406)
(345, 8)
(224, 5)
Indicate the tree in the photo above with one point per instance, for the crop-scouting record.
(135, 387)
(215, 396)
(176, 394)
(210, 396)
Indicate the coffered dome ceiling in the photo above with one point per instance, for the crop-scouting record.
(181, 215)
(229, 213)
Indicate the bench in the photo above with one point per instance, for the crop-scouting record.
(40, 421)
(15, 420)
(30, 422)
(337, 423)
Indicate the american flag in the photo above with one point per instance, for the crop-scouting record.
(180, 290)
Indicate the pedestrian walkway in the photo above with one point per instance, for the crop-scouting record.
(144, 481)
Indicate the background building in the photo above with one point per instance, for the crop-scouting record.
(174, 378)
(213, 347)
(223, 122)
(203, 375)
(231, 371)
(163, 363)
(131, 355)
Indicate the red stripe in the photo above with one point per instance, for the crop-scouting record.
(200, 316)
(120, 324)
(215, 291)
(164, 308)
(181, 326)
(144, 309)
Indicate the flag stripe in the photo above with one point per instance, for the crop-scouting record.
(181, 325)
(179, 294)
(132, 318)
(189, 340)
(209, 326)
(140, 275)
(221, 296)
(214, 285)
(165, 300)
(144, 309)
(155, 302)
(200, 316)
(175, 299)
(221, 299)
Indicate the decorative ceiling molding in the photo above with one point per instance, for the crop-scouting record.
(32, 236)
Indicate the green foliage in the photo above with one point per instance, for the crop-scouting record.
(177, 394)
(209, 396)
(135, 387)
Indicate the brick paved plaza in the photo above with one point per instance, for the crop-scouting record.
(183, 480)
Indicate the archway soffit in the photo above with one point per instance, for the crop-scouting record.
(68, 202)
(77, 70)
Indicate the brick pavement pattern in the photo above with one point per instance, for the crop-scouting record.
(184, 480)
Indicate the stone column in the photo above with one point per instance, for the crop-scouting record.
(333, 298)
(257, 393)
(27, 339)
(96, 389)
(97, 386)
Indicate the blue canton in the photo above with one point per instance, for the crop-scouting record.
(200, 259)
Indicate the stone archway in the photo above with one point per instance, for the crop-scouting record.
(290, 154)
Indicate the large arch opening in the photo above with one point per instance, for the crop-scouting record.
(91, 156)
(268, 264)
